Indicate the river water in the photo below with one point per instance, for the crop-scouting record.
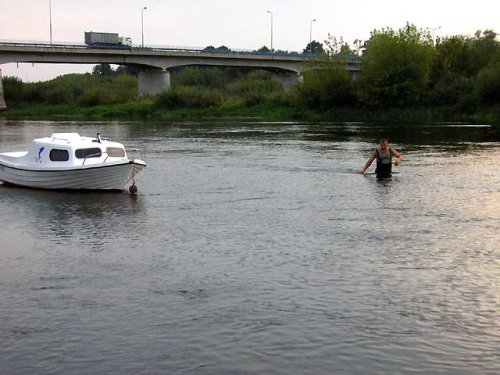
(258, 248)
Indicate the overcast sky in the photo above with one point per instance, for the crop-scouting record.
(243, 24)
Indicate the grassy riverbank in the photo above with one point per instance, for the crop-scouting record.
(146, 110)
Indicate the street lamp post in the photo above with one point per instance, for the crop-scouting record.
(358, 42)
(271, 13)
(50, 20)
(310, 35)
(142, 24)
(433, 33)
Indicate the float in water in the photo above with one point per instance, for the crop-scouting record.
(68, 161)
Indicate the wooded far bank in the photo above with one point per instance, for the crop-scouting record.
(402, 71)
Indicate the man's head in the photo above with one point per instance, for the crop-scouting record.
(384, 143)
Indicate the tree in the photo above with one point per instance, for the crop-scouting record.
(452, 55)
(451, 89)
(336, 46)
(464, 66)
(488, 85)
(360, 46)
(200, 76)
(484, 50)
(327, 84)
(396, 67)
(315, 47)
(464, 55)
(128, 70)
(257, 87)
(264, 49)
(222, 49)
(13, 89)
(103, 70)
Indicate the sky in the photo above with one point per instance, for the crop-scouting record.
(237, 24)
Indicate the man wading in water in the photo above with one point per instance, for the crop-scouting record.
(384, 155)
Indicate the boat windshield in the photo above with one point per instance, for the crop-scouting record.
(85, 153)
(115, 152)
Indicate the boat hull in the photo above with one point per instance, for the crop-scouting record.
(104, 177)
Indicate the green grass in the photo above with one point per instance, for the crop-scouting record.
(145, 109)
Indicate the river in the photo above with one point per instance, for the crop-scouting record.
(258, 248)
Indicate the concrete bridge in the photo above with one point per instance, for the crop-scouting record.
(155, 63)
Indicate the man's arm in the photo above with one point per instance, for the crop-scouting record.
(398, 156)
(369, 162)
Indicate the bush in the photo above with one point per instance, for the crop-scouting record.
(86, 89)
(190, 97)
(33, 93)
(256, 88)
(325, 88)
(451, 89)
(13, 89)
(488, 85)
(92, 98)
(59, 95)
(197, 76)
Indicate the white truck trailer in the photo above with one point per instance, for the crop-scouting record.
(106, 39)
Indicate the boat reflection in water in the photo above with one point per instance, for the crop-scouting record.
(70, 161)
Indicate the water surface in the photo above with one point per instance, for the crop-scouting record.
(257, 248)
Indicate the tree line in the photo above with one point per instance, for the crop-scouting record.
(399, 68)
(404, 68)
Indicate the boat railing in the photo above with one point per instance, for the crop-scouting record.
(137, 152)
(96, 155)
(134, 151)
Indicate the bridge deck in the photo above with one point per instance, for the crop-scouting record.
(155, 57)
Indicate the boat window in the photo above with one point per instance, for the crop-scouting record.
(58, 155)
(83, 153)
(115, 152)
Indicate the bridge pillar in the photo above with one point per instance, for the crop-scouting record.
(287, 80)
(153, 82)
(3, 106)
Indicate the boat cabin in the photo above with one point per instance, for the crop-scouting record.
(71, 149)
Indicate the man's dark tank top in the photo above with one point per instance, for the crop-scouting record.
(384, 162)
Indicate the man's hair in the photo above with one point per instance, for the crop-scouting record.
(383, 140)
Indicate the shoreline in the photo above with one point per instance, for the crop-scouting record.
(145, 110)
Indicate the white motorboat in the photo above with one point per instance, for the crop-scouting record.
(70, 161)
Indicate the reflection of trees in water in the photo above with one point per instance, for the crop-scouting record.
(435, 134)
(92, 219)
(401, 133)
(411, 134)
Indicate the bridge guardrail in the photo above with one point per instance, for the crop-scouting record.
(215, 51)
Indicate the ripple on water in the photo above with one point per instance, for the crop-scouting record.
(258, 248)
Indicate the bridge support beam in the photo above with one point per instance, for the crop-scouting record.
(153, 82)
(287, 80)
(3, 106)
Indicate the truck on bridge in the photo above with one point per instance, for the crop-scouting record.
(105, 40)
